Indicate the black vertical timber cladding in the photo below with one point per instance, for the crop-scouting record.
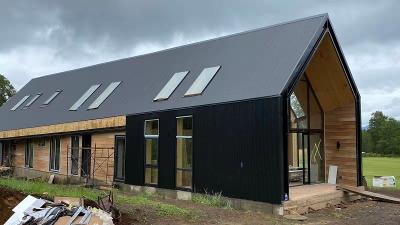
(238, 149)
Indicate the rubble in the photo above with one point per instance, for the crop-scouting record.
(64, 211)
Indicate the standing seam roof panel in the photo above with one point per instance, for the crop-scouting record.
(253, 64)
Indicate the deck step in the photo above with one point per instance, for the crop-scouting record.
(317, 202)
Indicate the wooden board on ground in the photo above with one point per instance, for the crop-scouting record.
(69, 200)
(64, 220)
(375, 196)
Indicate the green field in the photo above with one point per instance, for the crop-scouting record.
(381, 166)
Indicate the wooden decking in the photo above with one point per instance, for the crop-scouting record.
(306, 198)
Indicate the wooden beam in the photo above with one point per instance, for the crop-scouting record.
(104, 123)
(368, 194)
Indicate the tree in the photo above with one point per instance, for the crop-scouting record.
(6, 89)
(367, 145)
(382, 136)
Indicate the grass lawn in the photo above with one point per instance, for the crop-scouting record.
(49, 191)
(381, 166)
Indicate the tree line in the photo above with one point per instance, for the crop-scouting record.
(382, 135)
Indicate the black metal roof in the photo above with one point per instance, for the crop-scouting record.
(254, 64)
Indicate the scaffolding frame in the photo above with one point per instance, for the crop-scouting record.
(98, 163)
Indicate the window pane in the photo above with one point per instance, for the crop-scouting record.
(315, 113)
(74, 154)
(20, 103)
(33, 100)
(57, 167)
(151, 176)
(298, 106)
(202, 81)
(52, 97)
(151, 151)
(55, 154)
(29, 154)
(184, 152)
(171, 85)
(184, 179)
(103, 96)
(184, 126)
(84, 97)
(151, 127)
(120, 164)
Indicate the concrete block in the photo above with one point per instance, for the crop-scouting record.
(184, 195)
(135, 188)
(277, 210)
(150, 190)
(167, 193)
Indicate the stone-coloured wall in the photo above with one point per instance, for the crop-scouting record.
(103, 163)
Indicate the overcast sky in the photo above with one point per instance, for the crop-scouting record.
(48, 36)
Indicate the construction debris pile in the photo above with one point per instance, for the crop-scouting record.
(63, 211)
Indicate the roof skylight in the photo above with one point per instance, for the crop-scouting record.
(20, 103)
(170, 86)
(52, 97)
(84, 97)
(202, 81)
(33, 100)
(103, 96)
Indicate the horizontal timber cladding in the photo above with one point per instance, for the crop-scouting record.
(104, 123)
(341, 126)
(238, 149)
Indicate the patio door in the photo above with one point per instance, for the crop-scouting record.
(306, 158)
(299, 167)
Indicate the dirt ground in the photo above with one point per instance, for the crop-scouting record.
(8, 200)
(360, 212)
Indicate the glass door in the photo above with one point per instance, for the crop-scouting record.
(299, 172)
(305, 162)
(317, 162)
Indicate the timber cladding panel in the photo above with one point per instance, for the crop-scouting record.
(111, 122)
(341, 126)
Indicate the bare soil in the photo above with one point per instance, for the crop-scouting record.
(360, 212)
(8, 200)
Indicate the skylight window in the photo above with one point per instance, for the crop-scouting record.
(107, 92)
(32, 100)
(20, 103)
(202, 81)
(170, 86)
(52, 97)
(84, 97)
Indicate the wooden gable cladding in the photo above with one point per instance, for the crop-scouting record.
(327, 77)
(341, 126)
(110, 122)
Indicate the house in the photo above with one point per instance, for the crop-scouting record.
(250, 115)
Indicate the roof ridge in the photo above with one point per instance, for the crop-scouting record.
(195, 43)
